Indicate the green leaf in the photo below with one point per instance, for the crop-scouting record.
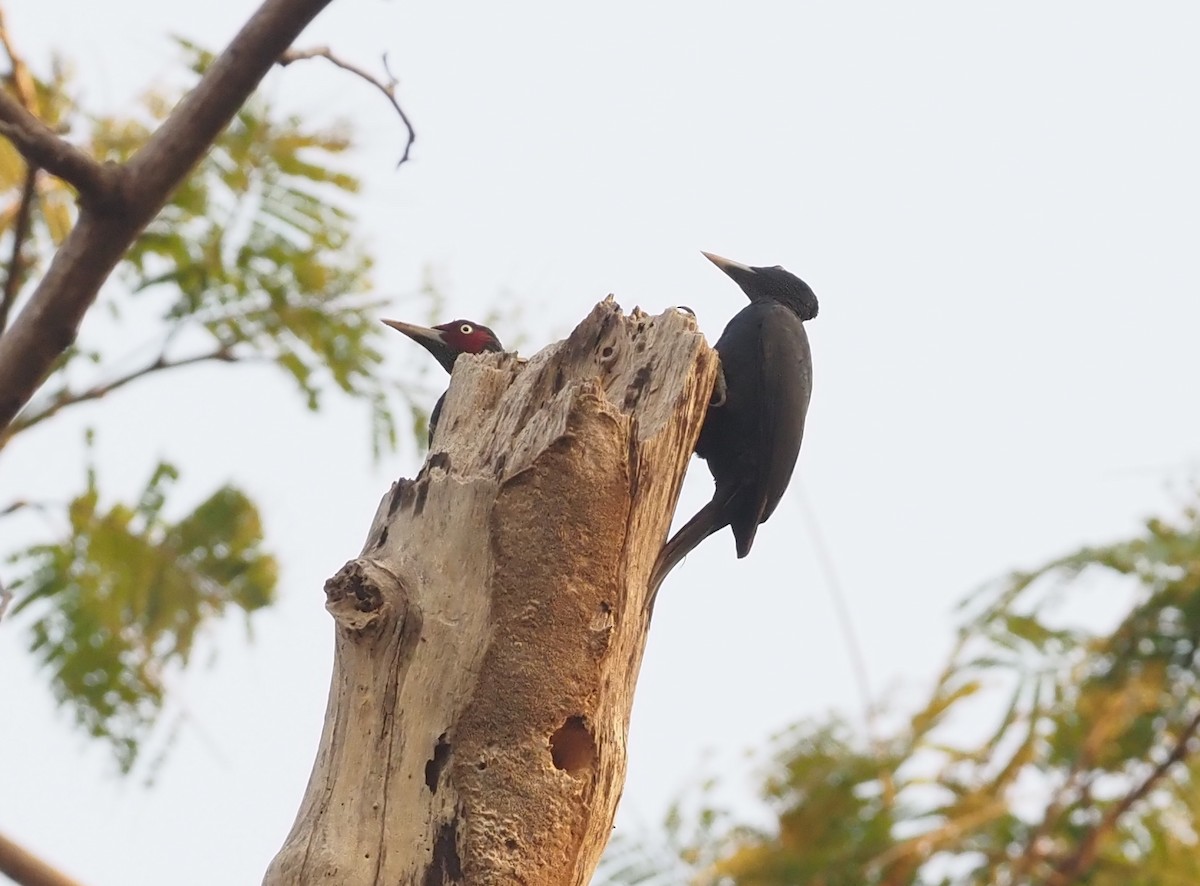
(124, 595)
(1074, 756)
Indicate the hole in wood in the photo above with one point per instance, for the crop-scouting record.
(572, 747)
(433, 769)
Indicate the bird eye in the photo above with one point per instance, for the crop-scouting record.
(466, 329)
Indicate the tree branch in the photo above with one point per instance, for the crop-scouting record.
(388, 88)
(1050, 817)
(26, 869)
(1081, 859)
(102, 235)
(25, 90)
(42, 147)
(21, 228)
(66, 398)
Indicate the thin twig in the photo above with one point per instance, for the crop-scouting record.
(5, 598)
(837, 592)
(1053, 813)
(18, 505)
(44, 508)
(1085, 853)
(20, 76)
(16, 260)
(49, 322)
(42, 147)
(67, 398)
(388, 88)
(25, 90)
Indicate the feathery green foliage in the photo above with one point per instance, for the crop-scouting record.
(1078, 766)
(255, 259)
(119, 599)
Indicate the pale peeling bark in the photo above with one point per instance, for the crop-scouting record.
(490, 635)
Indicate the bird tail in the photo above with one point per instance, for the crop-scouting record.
(745, 538)
(708, 520)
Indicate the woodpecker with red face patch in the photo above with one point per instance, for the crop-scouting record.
(446, 342)
(752, 432)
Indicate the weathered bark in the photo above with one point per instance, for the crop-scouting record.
(490, 634)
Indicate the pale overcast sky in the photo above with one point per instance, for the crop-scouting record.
(996, 203)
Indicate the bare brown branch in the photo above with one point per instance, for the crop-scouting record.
(1077, 863)
(16, 257)
(24, 88)
(71, 398)
(50, 322)
(388, 88)
(37, 142)
(26, 869)
(42, 147)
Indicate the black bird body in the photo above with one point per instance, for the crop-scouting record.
(751, 437)
(751, 441)
(446, 342)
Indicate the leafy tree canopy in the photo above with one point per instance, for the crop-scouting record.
(254, 259)
(1087, 773)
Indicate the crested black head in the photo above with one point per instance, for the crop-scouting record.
(770, 284)
(448, 340)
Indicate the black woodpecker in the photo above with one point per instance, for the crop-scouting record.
(752, 433)
(446, 342)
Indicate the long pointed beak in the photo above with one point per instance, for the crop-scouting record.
(416, 333)
(727, 265)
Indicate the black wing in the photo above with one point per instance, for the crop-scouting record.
(751, 442)
(785, 381)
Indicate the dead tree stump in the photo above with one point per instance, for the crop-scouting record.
(490, 634)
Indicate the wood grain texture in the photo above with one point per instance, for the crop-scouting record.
(490, 634)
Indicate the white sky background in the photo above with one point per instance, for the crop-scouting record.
(997, 206)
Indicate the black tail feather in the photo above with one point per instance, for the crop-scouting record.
(709, 519)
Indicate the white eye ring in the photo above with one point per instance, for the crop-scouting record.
(466, 329)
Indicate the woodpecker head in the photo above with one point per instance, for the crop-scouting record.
(449, 340)
(770, 284)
